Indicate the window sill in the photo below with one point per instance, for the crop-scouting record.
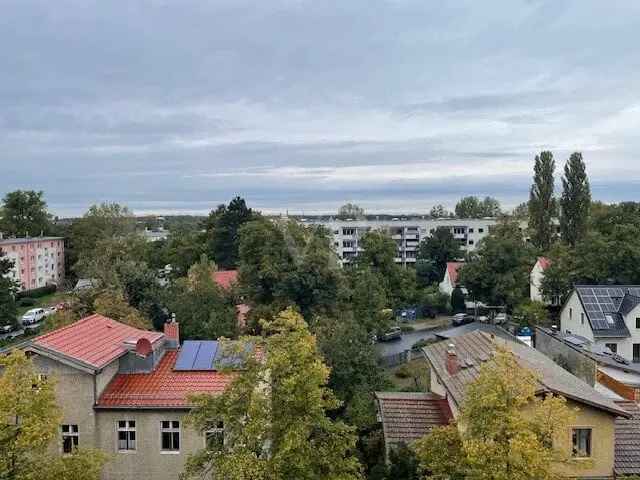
(128, 452)
(169, 452)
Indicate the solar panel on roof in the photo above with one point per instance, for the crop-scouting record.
(206, 354)
(187, 355)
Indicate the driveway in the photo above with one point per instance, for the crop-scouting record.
(404, 343)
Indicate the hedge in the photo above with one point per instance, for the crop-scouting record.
(37, 292)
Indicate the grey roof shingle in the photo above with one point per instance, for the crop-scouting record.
(409, 416)
(477, 347)
(627, 449)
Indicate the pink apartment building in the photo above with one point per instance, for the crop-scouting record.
(38, 261)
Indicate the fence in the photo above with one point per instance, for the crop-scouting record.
(399, 358)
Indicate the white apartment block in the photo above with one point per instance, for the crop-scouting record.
(407, 233)
(37, 262)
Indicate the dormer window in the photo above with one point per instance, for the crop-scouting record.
(610, 320)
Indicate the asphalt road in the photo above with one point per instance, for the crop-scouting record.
(404, 343)
(18, 333)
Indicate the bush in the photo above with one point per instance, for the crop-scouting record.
(37, 292)
(403, 372)
(26, 302)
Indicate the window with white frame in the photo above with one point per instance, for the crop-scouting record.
(170, 435)
(214, 437)
(70, 438)
(126, 435)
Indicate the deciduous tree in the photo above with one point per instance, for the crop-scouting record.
(439, 249)
(575, 201)
(350, 210)
(509, 433)
(8, 287)
(24, 213)
(542, 204)
(275, 416)
(223, 227)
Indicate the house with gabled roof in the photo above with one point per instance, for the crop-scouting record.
(454, 364)
(535, 282)
(126, 391)
(607, 315)
(450, 278)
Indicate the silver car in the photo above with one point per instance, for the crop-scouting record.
(33, 316)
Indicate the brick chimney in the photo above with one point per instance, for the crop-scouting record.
(453, 366)
(172, 333)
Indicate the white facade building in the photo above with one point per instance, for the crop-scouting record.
(407, 233)
(37, 262)
(535, 279)
(608, 316)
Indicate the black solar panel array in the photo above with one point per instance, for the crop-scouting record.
(601, 305)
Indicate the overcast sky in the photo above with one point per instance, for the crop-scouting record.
(176, 106)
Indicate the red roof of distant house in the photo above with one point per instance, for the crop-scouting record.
(452, 268)
(225, 278)
(164, 387)
(544, 262)
(95, 340)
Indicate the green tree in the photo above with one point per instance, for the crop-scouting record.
(350, 210)
(542, 204)
(521, 211)
(531, 313)
(369, 300)
(497, 272)
(30, 423)
(438, 249)
(575, 201)
(275, 416)
(473, 207)
(510, 433)
(24, 213)
(222, 227)
(112, 304)
(8, 288)
(490, 207)
(458, 301)
(438, 211)
(201, 305)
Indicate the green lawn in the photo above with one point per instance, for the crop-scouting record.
(45, 301)
(410, 377)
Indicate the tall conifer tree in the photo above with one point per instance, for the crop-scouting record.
(576, 200)
(542, 204)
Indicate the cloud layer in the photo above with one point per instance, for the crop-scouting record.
(302, 105)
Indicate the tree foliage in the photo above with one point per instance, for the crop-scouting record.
(458, 304)
(531, 313)
(497, 272)
(439, 211)
(24, 213)
(473, 207)
(542, 203)
(438, 249)
(509, 433)
(30, 423)
(223, 226)
(275, 415)
(575, 201)
(350, 210)
(8, 288)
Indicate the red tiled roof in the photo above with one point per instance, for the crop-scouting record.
(164, 387)
(95, 340)
(409, 416)
(225, 278)
(544, 262)
(452, 268)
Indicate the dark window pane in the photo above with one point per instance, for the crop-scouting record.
(132, 424)
(122, 424)
(166, 441)
(66, 445)
(176, 441)
(176, 424)
(74, 428)
(166, 424)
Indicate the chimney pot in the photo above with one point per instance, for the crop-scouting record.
(453, 366)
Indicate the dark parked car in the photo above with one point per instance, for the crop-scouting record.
(392, 334)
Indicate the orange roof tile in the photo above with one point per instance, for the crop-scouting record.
(544, 262)
(95, 340)
(225, 278)
(164, 387)
(452, 268)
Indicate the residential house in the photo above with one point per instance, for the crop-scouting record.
(454, 364)
(37, 261)
(450, 279)
(126, 391)
(608, 316)
(227, 279)
(535, 279)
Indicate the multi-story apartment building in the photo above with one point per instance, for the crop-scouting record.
(407, 233)
(37, 261)
(127, 392)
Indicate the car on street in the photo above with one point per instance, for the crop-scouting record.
(33, 316)
(392, 334)
(7, 328)
(500, 318)
(461, 319)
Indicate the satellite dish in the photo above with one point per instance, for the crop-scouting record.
(143, 347)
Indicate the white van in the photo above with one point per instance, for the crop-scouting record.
(33, 316)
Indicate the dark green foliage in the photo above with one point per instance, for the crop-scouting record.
(26, 302)
(498, 271)
(8, 288)
(473, 207)
(350, 210)
(24, 213)
(438, 211)
(542, 204)
(37, 292)
(434, 253)
(180, 250)
(403, 464)
(575, 201)
(223, 226)
(457, 301)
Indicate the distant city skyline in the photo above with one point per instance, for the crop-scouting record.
(297, 105)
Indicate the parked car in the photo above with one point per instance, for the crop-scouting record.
(7, 328)
(33, 316)
(392, 334)
(500, 318)
(461, 319)
(50, 311)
